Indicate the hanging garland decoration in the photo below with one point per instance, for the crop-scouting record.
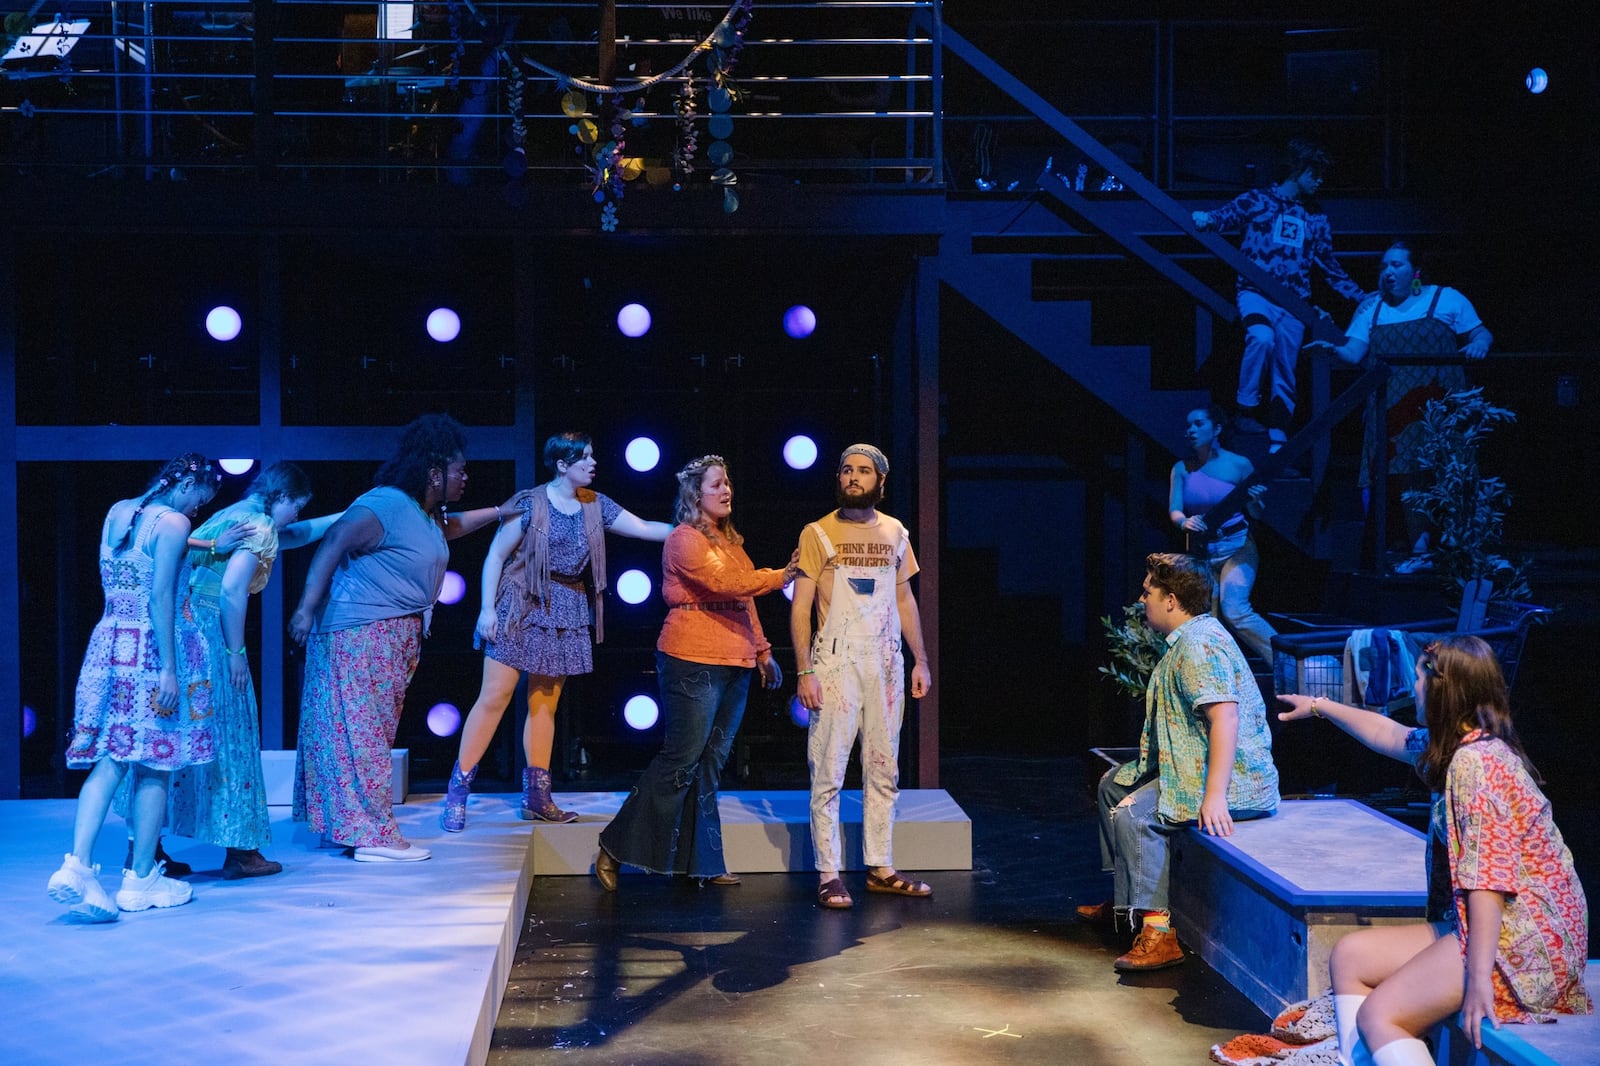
(611, 168)
(516, 161)
(688, 134)
(728, 40)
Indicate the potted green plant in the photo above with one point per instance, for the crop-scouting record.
(1466, 509)
(1135, 649)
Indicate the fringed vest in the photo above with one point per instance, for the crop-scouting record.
(528, 569)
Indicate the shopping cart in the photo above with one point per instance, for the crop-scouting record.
(1312, 662)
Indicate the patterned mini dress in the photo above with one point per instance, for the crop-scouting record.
(116, 714)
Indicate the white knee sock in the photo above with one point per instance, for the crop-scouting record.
(1352, 1049)
(1407, 1052)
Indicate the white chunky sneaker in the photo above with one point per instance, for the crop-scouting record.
(78, 886)
(152, 890)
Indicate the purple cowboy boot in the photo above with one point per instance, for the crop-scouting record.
(453, 819)
(536, 801)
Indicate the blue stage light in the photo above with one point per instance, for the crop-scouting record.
(642, 454)
(444, 719)
(1537, 81)
(634, 320)
(236, 466)
(30, 721)
(799, 321)
(223, 323)
(634, 586)
(452, 588)
(800, 452)
(641, 712)
(444, 325)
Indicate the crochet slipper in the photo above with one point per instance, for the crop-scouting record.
(834, 896)
(1306, 1022)
(1251, 1049)
(896, 885)
(1324, 1052)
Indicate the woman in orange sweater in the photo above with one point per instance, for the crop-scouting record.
(711, 640)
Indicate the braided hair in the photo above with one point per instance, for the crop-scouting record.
(166, 482)
(687, 510)
(430, 442)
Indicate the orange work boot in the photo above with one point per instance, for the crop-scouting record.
(1098, 913)
(1153, 949)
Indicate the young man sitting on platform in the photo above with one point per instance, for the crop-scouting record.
(1205, 757)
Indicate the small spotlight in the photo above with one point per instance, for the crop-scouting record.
(798, 714)
(788, 592)
(444, 325)
(800, 452)
(642, 454)
(236, 466)
(1537, 80)
(30, 721)
(799, 321)
(444, 719)
(452, 588)
(223, 323)
(634, 320)
(634, 586)
(641, 712)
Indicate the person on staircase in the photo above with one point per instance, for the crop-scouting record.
(1205, 758)
(1286, 233)
(1198, 484)
(542, 585)
(1407, 317)
(1506, 927)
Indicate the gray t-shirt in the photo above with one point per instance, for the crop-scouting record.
(401, 576)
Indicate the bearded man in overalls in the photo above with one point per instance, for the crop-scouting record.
(855, 567)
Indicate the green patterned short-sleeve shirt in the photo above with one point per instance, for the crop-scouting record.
(1202, 666)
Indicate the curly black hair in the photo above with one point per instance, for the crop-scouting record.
(430, 442)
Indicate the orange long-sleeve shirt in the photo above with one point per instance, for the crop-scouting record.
(710, 591)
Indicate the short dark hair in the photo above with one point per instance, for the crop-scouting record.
(1302, 154)
(1187, 578)
(564, 448)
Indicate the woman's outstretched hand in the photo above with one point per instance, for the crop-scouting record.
(1299, 707)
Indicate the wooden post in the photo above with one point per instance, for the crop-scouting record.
(608, 41)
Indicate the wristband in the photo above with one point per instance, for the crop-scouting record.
(1316, 713)
(229, 651)
(803, 673)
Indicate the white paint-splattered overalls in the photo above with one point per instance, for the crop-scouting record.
(857, 660)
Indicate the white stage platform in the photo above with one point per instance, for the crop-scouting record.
(334, 961)
(331, 961)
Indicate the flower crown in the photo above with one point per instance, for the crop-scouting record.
(696, 467)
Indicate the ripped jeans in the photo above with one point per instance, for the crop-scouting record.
(669, 823)
(1135, 843)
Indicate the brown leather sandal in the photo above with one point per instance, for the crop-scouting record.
(896, 885)
(834, 896)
